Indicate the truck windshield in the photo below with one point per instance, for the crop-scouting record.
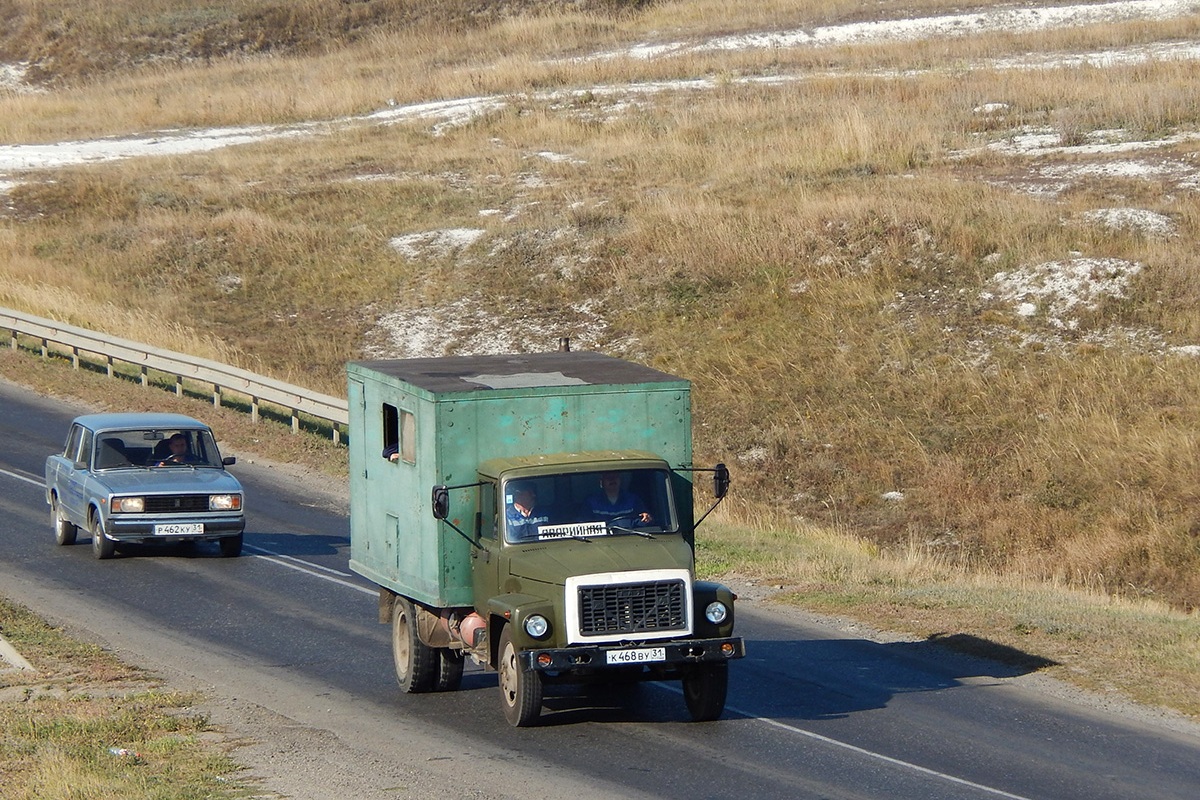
(585, 504)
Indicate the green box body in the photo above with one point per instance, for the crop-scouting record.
(452, 414)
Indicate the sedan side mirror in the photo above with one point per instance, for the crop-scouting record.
(229, 461)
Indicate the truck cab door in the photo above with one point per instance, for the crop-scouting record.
(485, 557)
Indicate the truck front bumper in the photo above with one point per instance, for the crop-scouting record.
(669, 653)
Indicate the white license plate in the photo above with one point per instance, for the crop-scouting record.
(640, 656)
(180, 529)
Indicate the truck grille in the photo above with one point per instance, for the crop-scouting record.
(632, 608)
(176, 503)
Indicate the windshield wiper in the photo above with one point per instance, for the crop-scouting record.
(643, 534)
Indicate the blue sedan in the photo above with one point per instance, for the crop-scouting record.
(140, 478)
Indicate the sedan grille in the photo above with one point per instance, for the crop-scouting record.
(176, 503)
(632, 608)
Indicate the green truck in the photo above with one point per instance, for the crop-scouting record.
(534, 513)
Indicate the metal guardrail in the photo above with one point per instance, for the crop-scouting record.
(220, 377)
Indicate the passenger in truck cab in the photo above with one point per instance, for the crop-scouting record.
(522, 514)
(615, 504)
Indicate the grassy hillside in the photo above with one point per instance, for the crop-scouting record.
(901, 326)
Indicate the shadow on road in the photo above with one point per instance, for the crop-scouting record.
(299, 544)
(833, 678)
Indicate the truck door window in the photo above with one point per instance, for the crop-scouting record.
(487, 510)
(400, 432)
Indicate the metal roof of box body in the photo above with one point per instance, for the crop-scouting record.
(452, 375)
(468, 410)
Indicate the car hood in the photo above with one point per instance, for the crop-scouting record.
(554, 562)
(169, 480)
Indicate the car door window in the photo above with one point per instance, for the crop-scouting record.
(85, 448)
(71, 451)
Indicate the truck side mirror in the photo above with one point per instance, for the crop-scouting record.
(441, 502)
(720, 481)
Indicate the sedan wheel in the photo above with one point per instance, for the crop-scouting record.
(64, 531)
(102, 547)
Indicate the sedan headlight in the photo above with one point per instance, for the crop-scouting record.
(128, 505)
(536, 626)
(224, 502)
(716, 612)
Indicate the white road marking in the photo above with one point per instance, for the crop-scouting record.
(26, 478)
(880, 757)
(308, 568)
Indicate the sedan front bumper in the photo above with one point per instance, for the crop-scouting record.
(137, 528)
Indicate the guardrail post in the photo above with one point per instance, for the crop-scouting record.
(45, 348)
(13, 341)
(216, 396)
(254, 409)
(179, 386)
(75, 357)
(295, 421)
(145, 378)
(108, 363)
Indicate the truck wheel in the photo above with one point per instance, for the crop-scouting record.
(450, 670)
(520, 690)
(101, 547)
(231, 546)
(416, 662)
(64, 531)
(704, 690)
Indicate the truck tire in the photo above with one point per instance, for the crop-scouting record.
(416, 662)
(450, 670)
(520, 689)
(704, 690)
(64, 531)
(102, 547)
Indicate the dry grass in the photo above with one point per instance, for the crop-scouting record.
(814, 253)
(1142, 649)
(61, 720)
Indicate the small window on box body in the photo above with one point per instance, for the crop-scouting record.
(400, 433)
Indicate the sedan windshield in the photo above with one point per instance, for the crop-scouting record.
(166, 448)
(585, 504)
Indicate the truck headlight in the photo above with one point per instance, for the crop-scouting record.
(128, 505)
(716, 612)
(537, 626)
(224, 502)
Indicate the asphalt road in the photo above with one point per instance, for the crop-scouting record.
(285, 639)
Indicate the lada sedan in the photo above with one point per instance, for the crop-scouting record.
(141, 478)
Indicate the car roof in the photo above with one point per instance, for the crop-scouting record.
(129, 419)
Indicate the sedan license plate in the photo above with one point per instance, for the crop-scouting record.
(639, 656)
(179, 529)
